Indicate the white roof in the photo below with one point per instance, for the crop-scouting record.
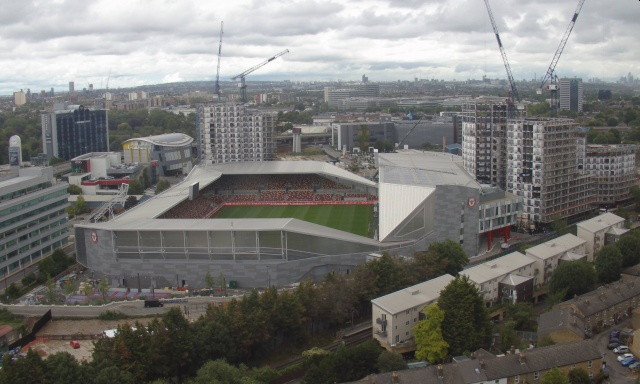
(167, 139)
(496, 268)
(600, 222)
(513, 279)
(555, 247)
(414, 296)
(397, 202)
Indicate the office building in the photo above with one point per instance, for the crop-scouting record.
(19, 98)
(334, 96)
(542, 168)
(169, 154)
(484, 144)
(72, 87)
(71, 132)
(362, 135)
(613, 171)
(33, 217)
(229, 132)
(571, 94)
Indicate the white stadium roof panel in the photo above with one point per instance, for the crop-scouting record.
(396, 202)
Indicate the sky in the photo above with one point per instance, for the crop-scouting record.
(47, 43)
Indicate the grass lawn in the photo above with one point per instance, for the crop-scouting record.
(349, 218)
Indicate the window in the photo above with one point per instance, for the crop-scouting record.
(536, 375)
(516, 379)
(397, 338)
(590, 364)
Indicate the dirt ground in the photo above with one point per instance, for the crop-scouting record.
(56, 335)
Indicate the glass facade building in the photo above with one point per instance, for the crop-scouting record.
(67, 134)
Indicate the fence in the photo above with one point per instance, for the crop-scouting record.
(31, 336)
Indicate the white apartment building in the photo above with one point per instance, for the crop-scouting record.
(229, 132)
(507, 278)
(571, 95)
(395, 314)
(613, 169)
(600, 231)
(542, 168)
(550, 253)
(484, 131)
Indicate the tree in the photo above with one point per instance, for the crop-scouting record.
(104, 288)
(554, 376)
(390, 361)
(62, 368)
(578, 376)
(576, 277)
(430, 344)
(162, 186)
(68, 288)
(51, 290)
(209, 280)
(80, 205)
(466, 324)
(608, 264)
(629, 246)
(74, 189)
(87, 288)
(452, 252)
(635, 194)
(135, 187)
(112, 374)
(12, 292)
(144, 179)
(362, 137)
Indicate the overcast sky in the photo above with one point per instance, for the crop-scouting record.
(47, 43)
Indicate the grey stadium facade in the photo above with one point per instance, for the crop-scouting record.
(140, 247)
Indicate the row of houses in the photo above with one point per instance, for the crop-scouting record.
(528, 366)
(510, 278)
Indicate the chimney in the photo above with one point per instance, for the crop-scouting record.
(523, 359)
(440, 371)
(394, 377)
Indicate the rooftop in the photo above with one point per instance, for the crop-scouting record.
(167, 139)
(555, 246)
(496, 268)
(419, 294)
(600, 222)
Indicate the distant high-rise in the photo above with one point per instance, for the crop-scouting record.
(229, 132)
(334, 97)
(71, 87)
(571, 94)
(75, 131)
(19, 98)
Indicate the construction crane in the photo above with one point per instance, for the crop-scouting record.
(514, 97)
(550, 75)
(217, 86)
(242, 85)
(401, 142)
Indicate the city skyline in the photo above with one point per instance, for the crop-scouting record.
(50, 43)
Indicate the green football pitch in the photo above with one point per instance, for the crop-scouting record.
(349, 218)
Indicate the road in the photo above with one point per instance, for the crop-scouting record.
(193, 309)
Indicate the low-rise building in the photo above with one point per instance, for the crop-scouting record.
(589, 313)
(101, 173)
(550, 253)
(507, 278)
(529, 366)
(395, 314)
(600, 231)
(613, 170)
(170, 153)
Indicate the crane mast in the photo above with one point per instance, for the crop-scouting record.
(217, 86)
(242, 85)
(550, 75)
(514, 97)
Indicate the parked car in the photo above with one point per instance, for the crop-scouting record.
(628, 362)
(621, 349)
(635, 365)
(613, 344)
(153, 303)
(614, 335)
(625, 356)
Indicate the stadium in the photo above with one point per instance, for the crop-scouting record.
(281, 222)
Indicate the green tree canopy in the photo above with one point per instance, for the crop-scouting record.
(430, 345)
(135, 187)
(554, 376)
(74, 189)
(629, 246)
(162, 186)
(578, 376)
(466, 324)
(608, 264)
(573, 277)
(390, 361)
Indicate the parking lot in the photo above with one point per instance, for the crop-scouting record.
(617, 372)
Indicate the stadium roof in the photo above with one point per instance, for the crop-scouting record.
(166, 140)
(408, 177)
(145, 215)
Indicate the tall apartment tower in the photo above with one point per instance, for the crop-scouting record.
(571, 94)
(229, 132)
(542, 167)
(75, 131)
(19, 98)
(33, 216)
(484, 145)
(72, 87)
